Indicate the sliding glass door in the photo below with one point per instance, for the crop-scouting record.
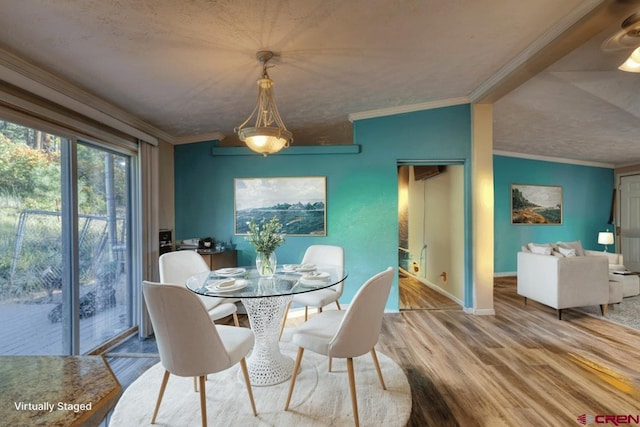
(103, 244)
(65, 250)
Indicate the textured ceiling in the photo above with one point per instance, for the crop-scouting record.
(581, 107)
(189, 68)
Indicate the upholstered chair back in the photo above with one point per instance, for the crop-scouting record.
(360, 328)
(187, 339)
(327, 254)
(177, 267)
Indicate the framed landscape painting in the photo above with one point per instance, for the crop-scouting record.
(536, 204)
(299, 203)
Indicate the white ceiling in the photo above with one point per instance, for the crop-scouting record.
(188, 68)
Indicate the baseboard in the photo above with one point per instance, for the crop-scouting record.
(480, 312)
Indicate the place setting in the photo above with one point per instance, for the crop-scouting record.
(314, 278)
(230, 271)
(224, 285)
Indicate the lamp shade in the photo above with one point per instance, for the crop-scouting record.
(605, 238)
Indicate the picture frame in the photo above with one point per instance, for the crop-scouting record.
(536, 204)
(299, 203)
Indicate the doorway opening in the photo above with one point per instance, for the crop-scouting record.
(431, 236)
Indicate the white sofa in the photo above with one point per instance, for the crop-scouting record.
(564, 282)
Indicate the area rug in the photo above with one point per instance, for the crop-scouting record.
(320, 398)
(626, 313)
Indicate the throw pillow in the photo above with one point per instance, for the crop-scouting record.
(576, 245)
(566, 252)
(540, 249)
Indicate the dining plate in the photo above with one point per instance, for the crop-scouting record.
(224, 286)
(230, 271)
(306, 267)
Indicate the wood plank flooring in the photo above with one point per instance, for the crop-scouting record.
(521, 367)
(415, 295)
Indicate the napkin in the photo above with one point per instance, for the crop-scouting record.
(214, 285)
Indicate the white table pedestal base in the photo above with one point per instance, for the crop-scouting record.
(266, 365)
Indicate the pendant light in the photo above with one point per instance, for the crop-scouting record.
(266, 132)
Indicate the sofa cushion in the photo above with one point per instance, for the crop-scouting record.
(575, 245)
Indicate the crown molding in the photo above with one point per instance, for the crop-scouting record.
(401, 109)
(27, 76)
(213, 136)
(290, 151)
(553, 159)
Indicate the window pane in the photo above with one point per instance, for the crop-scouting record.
(103, 220)
(31, 288)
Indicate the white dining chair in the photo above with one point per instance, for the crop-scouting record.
(347, 334)
(177, 267)
(319, 254)
(189, 343)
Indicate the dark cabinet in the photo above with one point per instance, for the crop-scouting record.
(216, 260)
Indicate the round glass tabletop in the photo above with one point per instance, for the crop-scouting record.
(245, 282)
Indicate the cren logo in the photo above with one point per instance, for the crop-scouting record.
(585, 419)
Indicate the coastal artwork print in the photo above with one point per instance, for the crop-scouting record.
(536, 204)
(299, 203)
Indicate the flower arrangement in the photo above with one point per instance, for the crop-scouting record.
(265, 236)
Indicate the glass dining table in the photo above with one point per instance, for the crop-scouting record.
(265, 300)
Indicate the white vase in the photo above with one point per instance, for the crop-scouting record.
(266, 264)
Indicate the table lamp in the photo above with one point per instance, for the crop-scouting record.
(605, 238)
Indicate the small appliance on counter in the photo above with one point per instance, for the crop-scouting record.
(166, 241)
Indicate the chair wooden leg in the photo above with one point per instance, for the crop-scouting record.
(330, 360)
(603, 309)
(245, 374)
(352, 390)
(165, 379)
(338, 304)
(319, 310)
(294, 375)
(203, 402)
(375, 362)
(559, 311)
(306, 313)
(195, 384)
(235, 319)
(284, 318)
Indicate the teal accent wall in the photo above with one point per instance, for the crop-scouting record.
(362, 189)
(586, 201)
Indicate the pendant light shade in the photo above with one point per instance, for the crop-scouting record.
(264, 131)
(632, 64)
